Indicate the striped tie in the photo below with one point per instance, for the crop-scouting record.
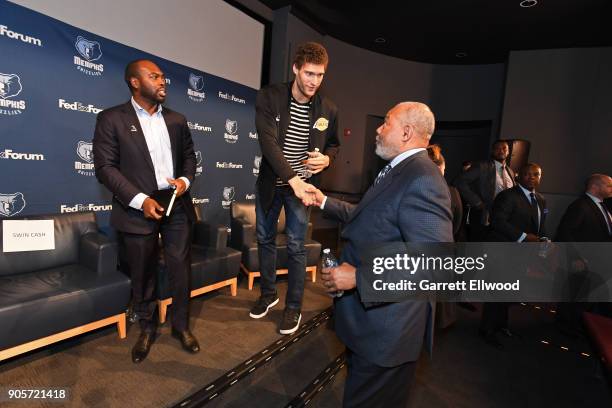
(382, 173)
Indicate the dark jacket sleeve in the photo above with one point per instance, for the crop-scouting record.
(106, 160)
(340, 210)
(267, 130)
(332, 143)
(503, 207)
(189, 158)
(464, 184)
(570, 222)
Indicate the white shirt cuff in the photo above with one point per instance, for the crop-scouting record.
(522, 237)
(186, 180)
(138, 200)
(322, 206)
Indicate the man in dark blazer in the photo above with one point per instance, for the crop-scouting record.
(480, 184)
(140, 147)
(408, 202)
(587, 219)
(518, 215)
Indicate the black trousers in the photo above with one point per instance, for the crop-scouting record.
(371, 386)
(142, 258)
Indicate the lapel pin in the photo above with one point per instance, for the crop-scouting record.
(133, 129)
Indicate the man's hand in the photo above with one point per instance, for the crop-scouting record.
(531, 238)
(317, 162)
(316, 196)
(339, 278)
(302, 190)
(179, 185)
(152, 209)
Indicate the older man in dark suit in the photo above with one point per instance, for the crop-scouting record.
(480, 184)
(518, 215)
(140, 147)
(408, 202)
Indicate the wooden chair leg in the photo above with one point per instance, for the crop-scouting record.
(234, 287)
(251, 280)
(121, 326)
(162, 305)
(313, 273)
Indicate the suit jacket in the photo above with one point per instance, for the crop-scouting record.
(512, 215)
(123, 163)
(410, 204)
(456, 209)
(583, 221)
(272, 120)
(477, 188)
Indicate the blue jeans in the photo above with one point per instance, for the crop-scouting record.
(296, 224)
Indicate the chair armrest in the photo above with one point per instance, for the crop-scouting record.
(243, 234)
(98, 253)
(213, 236)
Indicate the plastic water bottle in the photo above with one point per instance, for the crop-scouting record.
(329, 261)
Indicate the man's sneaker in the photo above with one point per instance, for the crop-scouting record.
(291, 321)
(263, 304)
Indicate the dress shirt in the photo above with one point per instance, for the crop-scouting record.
(158, 142)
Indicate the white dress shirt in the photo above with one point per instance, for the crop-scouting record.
(158, 142)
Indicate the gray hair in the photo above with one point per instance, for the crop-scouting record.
(420, 116)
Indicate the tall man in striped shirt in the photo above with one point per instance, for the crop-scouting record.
(297, 130)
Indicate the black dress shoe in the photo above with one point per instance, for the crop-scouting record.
(188, 341)
(142, 346)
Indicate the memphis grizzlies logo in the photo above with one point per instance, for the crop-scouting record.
(231, 128)
(228, 196)
(85, 151)
(11, 204)
(85, 167)
(10, 85)
(199, 166)
(90, 50)
(195, 91)
(256, 165)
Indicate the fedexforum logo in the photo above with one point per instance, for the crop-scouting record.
(11, 204)
(228, 197)
(199, 167)
(10, 87)
(196, 84)
(89, 52)
(200, 200)
(85, 207)
(228, 165)
(231, 97)
(11, 155)
(256, 165)
(4, 31)
(200, 128)
(85, 167)
(231, 128)
(249, 196)
(78, 106)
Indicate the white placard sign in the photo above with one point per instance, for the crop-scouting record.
(27, 235)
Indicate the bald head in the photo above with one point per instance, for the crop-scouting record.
(599, 185)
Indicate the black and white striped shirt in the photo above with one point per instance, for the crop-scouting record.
(296, 143)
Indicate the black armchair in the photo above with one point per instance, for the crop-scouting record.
(244, 239)
(213, 265)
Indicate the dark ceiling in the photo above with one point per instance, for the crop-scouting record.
(457, 31)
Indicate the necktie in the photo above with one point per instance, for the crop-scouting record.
(607, 217)
(383, 173)
(503, 177)
(534, 210)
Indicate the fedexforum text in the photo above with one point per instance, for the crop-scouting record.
(425, 285)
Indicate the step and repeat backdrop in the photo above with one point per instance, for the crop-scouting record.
(55, 79)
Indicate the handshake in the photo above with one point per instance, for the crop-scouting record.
(309, 194)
